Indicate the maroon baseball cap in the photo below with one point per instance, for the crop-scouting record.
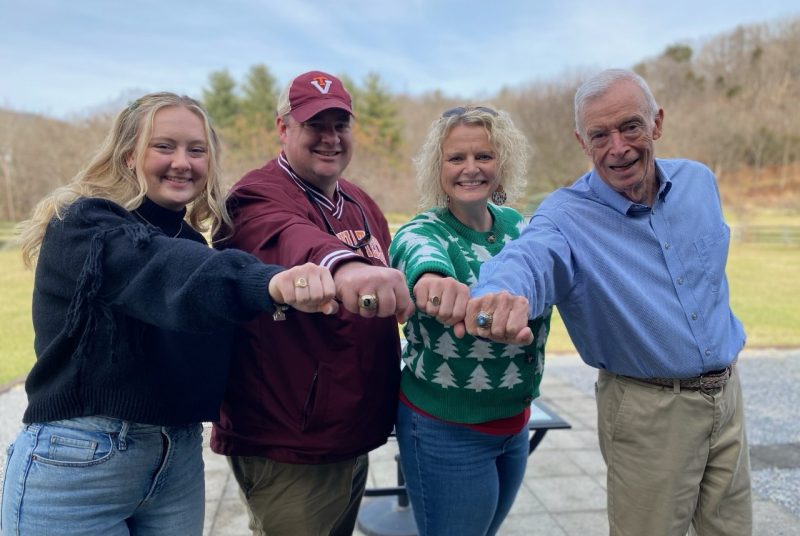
(315, 91)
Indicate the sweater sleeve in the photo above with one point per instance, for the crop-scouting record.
(420, 247)
(119, 263)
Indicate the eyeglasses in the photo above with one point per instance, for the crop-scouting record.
(630, 131)
(360, 243)
(461, 110)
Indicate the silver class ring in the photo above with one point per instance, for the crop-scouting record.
(484, 320)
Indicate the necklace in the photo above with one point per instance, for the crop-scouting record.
(180, 227)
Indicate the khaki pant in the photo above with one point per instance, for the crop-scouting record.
(301, 500)
(675, 458)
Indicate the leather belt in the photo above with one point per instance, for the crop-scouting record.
(710, 381)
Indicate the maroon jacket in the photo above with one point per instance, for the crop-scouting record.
(313, 388)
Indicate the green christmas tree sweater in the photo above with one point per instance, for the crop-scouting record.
(467, 380)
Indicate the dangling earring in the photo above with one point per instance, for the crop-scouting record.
(499, 196)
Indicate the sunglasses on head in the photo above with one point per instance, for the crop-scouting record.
(461, 110)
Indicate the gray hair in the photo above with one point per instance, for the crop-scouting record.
(507, 140)
(599, 84)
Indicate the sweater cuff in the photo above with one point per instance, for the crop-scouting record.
(254, 286)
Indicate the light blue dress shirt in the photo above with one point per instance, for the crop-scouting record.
(642, 290)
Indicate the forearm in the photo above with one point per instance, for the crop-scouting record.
(536, 266)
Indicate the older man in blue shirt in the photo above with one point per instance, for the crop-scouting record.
(633, 254)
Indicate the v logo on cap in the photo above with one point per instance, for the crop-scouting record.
(315, 91)
(322, 84)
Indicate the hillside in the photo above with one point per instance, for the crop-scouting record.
(729, 102)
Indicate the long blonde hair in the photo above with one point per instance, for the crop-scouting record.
(108, 176)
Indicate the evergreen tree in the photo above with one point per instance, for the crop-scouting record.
(259, 98)
(424, 335)
(419, 371)
(377, 116)
(511, 350)
(539, 362)
(220, 99)
(480, 350)
(444, 376)
(511, 376)
(408, 357)
(446, 346)
(479, 380)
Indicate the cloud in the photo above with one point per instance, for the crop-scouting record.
(67, 56)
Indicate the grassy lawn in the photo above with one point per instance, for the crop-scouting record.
(16, 331)
(764, 289)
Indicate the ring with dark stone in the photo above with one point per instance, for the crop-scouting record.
(484, 320)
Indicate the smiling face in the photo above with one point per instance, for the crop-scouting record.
(318, 149)
(175, 163)
(469, 170)
(618, 137)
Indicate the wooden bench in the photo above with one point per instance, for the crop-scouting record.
(390, 517)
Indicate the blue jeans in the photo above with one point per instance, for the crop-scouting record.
(459, 481)
(98, 475)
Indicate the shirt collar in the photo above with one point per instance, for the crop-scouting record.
(334, 207)
(618, 201)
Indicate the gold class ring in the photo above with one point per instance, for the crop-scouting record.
(300, 282)
(484, 320)
(368, 302)
(435, 301)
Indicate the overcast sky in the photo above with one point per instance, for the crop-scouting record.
(64, 57)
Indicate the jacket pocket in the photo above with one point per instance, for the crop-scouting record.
(313, 414)
(311, 398)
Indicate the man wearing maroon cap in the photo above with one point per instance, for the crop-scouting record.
(309, 396)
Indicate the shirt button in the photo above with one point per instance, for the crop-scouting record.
(491, 239)
(666, 245)
(529, 358)
(527, 400)
(694, 316)
(708, 352)
(680, 281)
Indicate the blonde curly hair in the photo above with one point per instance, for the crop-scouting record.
(108, 176)
(509, 143)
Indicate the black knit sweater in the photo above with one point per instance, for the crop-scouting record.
(132, 323)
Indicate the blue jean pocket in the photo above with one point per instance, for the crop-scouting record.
(69, 447)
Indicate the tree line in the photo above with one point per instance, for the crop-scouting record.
(729, 102)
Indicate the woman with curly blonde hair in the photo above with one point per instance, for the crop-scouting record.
(464, 401)
(130, 312)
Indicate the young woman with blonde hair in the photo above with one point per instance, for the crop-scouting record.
(130, 310)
